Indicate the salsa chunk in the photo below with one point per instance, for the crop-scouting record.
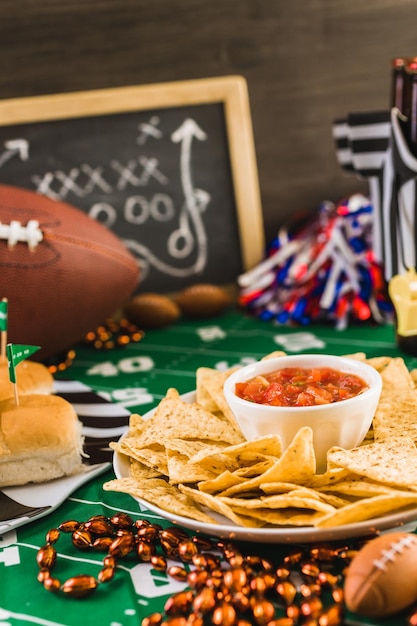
(296, 386)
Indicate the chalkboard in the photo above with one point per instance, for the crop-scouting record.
(169, 167)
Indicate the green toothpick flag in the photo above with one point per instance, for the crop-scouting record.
(3, 315)
(16, 353)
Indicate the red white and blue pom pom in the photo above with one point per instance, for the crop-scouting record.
(324, 272)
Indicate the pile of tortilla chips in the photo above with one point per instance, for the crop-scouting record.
(192, 460)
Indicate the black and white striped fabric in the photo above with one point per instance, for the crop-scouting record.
(372, 145)
(403, 209)
(102, 421)
(362, 147)
(341, 137)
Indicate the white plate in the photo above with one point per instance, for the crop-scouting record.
(305, 534)
(102, 421)
(46, 496)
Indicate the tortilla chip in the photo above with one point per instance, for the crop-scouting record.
(391, 462)
(228, 479)
(244, 454)
(181, 470)
(136, 425)
(357, 356)
(284, 487)
(330, 477)
(358, 488)
(335, 500)
(395, 418)
(160, 493)
(379, 362)
(368, 508)
(215, 504)
(286, 517)
(176, 419)
(223, 481)
(369, 437)
(396, 380)
(119, 446)
(273, 355)
(213, 386)
(139, 471)
(153, 456)
(250, 452)
(279, 501)
(191, 448)
(203, 374)
(297, 464)
(156, 459)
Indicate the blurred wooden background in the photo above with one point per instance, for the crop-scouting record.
(306, 63)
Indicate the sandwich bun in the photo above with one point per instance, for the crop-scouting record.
(31, 377)
(40, 439)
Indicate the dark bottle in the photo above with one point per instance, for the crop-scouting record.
(399, 83)
(407, 344)
(410, 108)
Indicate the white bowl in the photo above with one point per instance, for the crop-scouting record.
(343, 423)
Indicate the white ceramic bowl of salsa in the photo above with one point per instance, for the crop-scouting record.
(341, 423)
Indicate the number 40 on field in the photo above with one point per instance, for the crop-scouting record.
(131, 365)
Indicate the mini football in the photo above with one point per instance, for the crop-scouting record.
(152, 310)
(203, 300)
(62, 272)
(382, 578)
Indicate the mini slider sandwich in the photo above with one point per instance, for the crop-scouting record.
(40, 439)
(40, 436)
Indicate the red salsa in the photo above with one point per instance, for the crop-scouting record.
(296, 386)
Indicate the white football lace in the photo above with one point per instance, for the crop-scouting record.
(395, 548)
(15, 233)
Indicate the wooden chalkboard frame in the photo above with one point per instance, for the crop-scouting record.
(231, 91)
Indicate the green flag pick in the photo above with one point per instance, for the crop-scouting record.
(3, 314)
(3, 327)
(16, 353)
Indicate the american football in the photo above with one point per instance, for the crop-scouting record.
(62, 272)
(382, 577)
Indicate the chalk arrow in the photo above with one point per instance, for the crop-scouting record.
(184, 135)
(14, 147)
(188, 128)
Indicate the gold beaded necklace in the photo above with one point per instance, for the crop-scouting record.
(109, 335)
(224, 586)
